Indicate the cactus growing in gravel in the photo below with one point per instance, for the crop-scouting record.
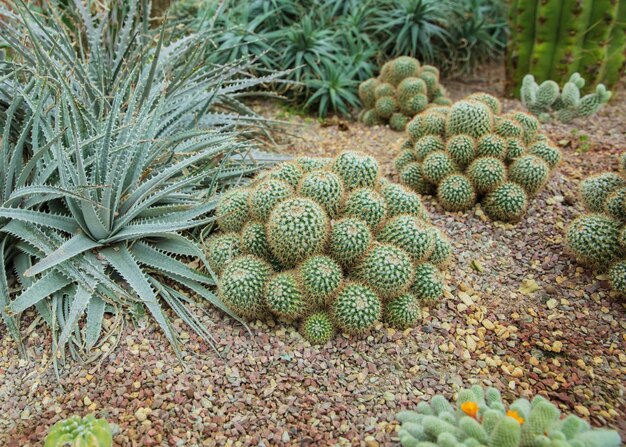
(332, 252)
(468, 152)
(80, 432)
(547, 100)
(598, 238)
(480, 418)
(403, 89)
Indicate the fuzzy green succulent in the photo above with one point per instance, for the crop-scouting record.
(80, 432)
(491, 145)
(507, 202)
(437, 166)
(461, 149)
(547, 152)
(402, 311)
(413, 177)
(471, 118)
(284, 295)
(617, 276)
(233, 211)
(530, 172)
(480, 418)
(594, 239)
(321, 277)
(318, 328)
(486, 174)
(289, 172)
(323, 250)
(507, 127)
(515, 148)
(426, 145)
(456, 193)
(406, 156)
(222, 248)
(615, 204)
(400, 69)
(367, 93)
(356, 308)
(296, 229)
(242, 285)
(434, 123)
(356, 170)
(489, 100)
(410, 87)
(384, 90)
(595, 189)
(398, 121)
(428, 284)
(385, 107)
(387, 269)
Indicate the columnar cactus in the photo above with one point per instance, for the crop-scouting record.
(77, 431)
(340, 249)
(480, 418)
(553, 39)
(598, 238)
(403, 89)
(546, 100)
(469, 152)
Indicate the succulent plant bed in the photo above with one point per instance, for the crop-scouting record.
(517, 311)
(329, 243)
(403, 89)
(470, 152)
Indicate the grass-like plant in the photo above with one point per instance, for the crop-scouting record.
(123, 140)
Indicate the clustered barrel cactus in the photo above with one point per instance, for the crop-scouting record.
(598, 238)
(547, 99)
(481, 419)
(470, 152)
(403, 89)
(329, 243)
(77, 432)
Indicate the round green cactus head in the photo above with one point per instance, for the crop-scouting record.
(428, 284)
(398, 122)
(486, 174)
(456, 193)
(288, 171)
(412, 105)
(365, 204)
(491, 145)
(434, 123)
(617, 276)
(325, 187)
(254, 240)
(367, 92)
(401, 200)
(615, 204)
(384, 90)
(489, 100)
(387, 269)
(547, 152)
(436, 166)
(350, 238)
(410, 87)
(308, 164)
(385, 107)
(77, 431)
(514, 149)
(266, 195)
(356, 308)
(530, 172)
(410, 233)
(296, 229)
(356, 170)
(529, 123)
(406, 156)
(402, 311)
(221, 249)
(507, 202)
(471, 118)
(321, 277)
(317, 328)
(428, 144)
(284, 295)
(595, 189)
(508, 128)
(400, 69)
(461, 149)
(232, 210)
(242, 285)
(594, 239)
(369, 118)
(413, 177)
(443, 249)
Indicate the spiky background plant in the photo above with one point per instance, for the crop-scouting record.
(598, 237)
(328, 243)
(471, 152)
(116, 143)
(547, 100)
(480, 418)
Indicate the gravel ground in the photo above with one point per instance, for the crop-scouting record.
(518, 313)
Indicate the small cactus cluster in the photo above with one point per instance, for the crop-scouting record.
(470, 152)
(548, 99)
(481, 419)
(403, 89)
(328, 243)
(598, 238)
(80, 432)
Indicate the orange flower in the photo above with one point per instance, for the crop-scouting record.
(515, 415)
(470, 408)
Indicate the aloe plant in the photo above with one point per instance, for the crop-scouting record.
(120, 151)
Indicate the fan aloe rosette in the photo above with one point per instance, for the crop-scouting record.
(329, 243)
(597, 238)
(480, 418)
(471, 152)
(114, 154)
(403, 89)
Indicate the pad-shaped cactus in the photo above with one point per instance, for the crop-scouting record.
(403, 86)
(402, 311)
(356, 308)
(77, 431)
(471, 142)
(318, 328)
(325, 250)
(480, 418)
(242, 285)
